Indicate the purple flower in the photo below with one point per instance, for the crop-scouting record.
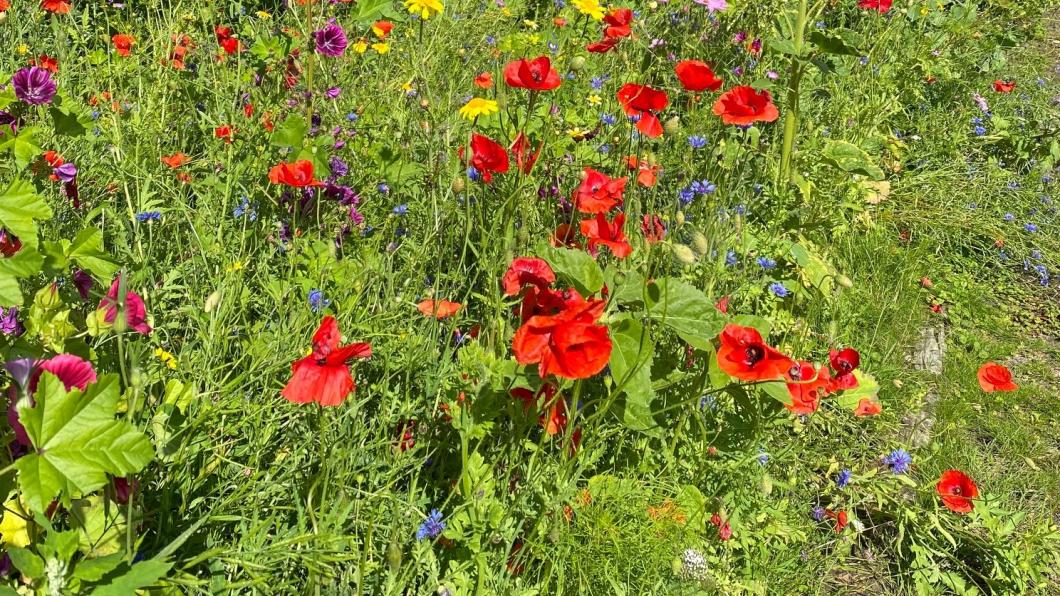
(338, 167)
(331, 40)
(333, 93)
(9, 323)
(66, 172)
(34, 85)
(83, 283)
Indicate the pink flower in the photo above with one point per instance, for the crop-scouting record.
(135, 311)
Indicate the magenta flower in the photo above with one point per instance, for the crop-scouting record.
(34, 85)
(135, 311)
(331, 40)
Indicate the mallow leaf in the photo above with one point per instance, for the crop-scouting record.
(76, 441)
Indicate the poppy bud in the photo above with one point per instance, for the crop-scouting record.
(459, 185)
(700, 243)
(684, 254)
(679, 219)
(393, 555)
(766, 485)
(673, 125)
(577, 63)
(583, 175)
(845, 281)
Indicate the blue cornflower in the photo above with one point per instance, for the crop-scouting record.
(384, 187)
(1032, 228)
(607, 119)
(1036, 255)
(697, 142)
(899, 460)
(980, 131)
(148, 216)
(317, 301)
(1010, 217)
(703, 187)
(352, 117)
(552, 47)
(597, 83)
(401, 209)
(730, 258)
(817, 514)
(605, 148)
(432, 526)
(473, 174)
(686, 195)
(843, 479)
(864, 60)
(766, 262)
(708, 401)
(1013, 185)
(779, 290)
(763, 457)
(559, 4)
(244, 208)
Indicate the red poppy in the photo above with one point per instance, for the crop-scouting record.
(603, 46)
(324, 376)
(598, 193)
(880, 6)
(123, 43)
(299, 174)
(564, 236)
(229, 44)
(743, 354)
(536, 74)
(722, 305)
(527, 271)
(176, 160)
(957, 491)
(644, 102)
(725, 532)
(224, 132)
(841, 519)
(46, 62)
(4, 5)
(406, 435)
(806, 387)
(647, 173)
(569, 344)
(610, 234)
(487, 157)
(743, 106)
(520, 150)
(868, 407)
(697, 76)
(56, 6)
(135, 311)
(995, 377)
(653, 229)
(484, 80)
(618, 21)
(248, 110)
(1004, 86)
(844, 362)
(439, 309)
(554, 417)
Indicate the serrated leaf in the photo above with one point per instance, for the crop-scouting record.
(23, 146)
(141, 575)
(20, 207)
(76, 441)
(87, 251)
(685, 309)
(851, 158)
(630, 363)
(867, 388)
(576, 267)
(291, 133)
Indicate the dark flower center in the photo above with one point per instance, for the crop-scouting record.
(956, 490)
(754, 355)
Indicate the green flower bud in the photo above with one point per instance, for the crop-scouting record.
(684, 254)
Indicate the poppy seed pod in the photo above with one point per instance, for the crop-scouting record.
(845, 281)
(459, 184)
(700, 243)
(673, 125)
(684, 254)
(679, 219)
(577, 63)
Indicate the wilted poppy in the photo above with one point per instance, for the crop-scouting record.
(880, 6)
(599, 231)
(603, 46)
(868, 407)
(565, 236)
(324, 376)
(135, 311)
(487, 157)
(743, 106)
(995, 377)
(696, 76)
(653, 229)
(56, 6)
(536, 74)
(527, 271)
(806, 385)
(520, 150)
(743, 355)
(439, 309)
(176, 160)
(598, 192)
(957, 491)
(484, 80)
(123, 43)
(645, 103)
(1004, 86)
(298, 174)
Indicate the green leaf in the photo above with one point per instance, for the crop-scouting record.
(631, 361)
(372, 10)
(76, 441)
(291, 133)
(20, 206)
(577, 267)
(851, 158)
(141, 575)
(838, 41)
(867, 388)
(685, 309)
(24, 263)
(778, 390)
(70, 122)
(26, 561)
(93, 570)
(813, 270)
(761, 324)
(23, 146)
(87, 251)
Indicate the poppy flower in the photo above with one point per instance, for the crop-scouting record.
(868, 407)
(1004, 86)
(603, 46)
(527, 271)
(647, 173)
(743, 106)
(298, 174)
(488, 157)
(176, 160)
(696, 76)
(844, 362)
(324, 377)
(224, 133)
(618, 21)
(135, 311)
(644, 102)
(598, 192)
(565, 235)
(123, 44)
(722, 305)
(229, 44)
(743, 355)
(46, 62)
(806, 385)
(569, 344)
(653, 229)
(484, 80)
(880, 6)
(957, 491)
(725, 532)
(554, 416)
(520, 150)
(56, 6)
(382, 29)
(600, 231)
(841, 519)
(995, 377)
(536, 74)
(439, 309)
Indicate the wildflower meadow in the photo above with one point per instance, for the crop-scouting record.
(530, 297)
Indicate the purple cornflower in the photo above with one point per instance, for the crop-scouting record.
(331, 40)
(338, 167)
(817, 514)
(333, 92)
(432, 526)
(34, 85)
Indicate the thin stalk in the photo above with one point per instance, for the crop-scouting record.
(791, 117)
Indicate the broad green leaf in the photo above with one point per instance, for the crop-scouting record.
(761, 324)
(577, 267)
(24, 263)
(23, 146)
(630, 364)
(87, 251)
(26, 561)
(100, 526)
(851, 158)
(76, 441)
(813, 270)
(685, 309)
(778, 390)
(141, 575)
(867, 388)
(93, 570)
(290, 133)
(70, 122)
(838, 41)
(369, 11)
(20, 206)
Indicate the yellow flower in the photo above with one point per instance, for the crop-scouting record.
(408, 88)
(360, 47)
(236, 266)
(424, 8)
(531, 25)
(479, 107)
(577, 132)
(591, 8)
(382, 48)
(23, 48)
(594, 99)
(166, 358)
(264, 15)
(14, 527)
